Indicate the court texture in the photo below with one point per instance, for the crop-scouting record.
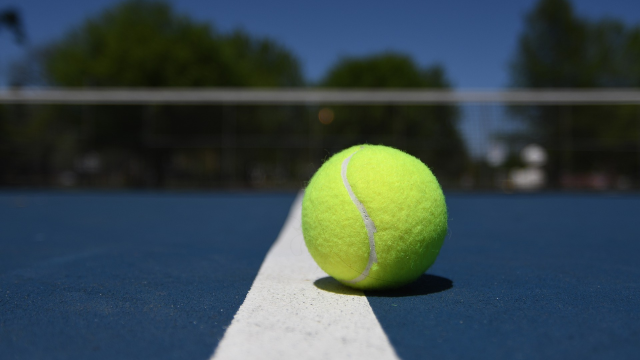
(226, 275)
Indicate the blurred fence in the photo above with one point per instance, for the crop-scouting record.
(234, 138)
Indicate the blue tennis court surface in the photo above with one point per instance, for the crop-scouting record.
(129, 276)
(534, 277)
(140, 275)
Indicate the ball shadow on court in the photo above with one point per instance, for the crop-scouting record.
(425, 285)
(332, 285)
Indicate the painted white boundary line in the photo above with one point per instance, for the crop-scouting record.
(286, 317)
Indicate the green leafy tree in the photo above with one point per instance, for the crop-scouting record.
(146, 44)
(553, 48)
(559, 49)
(428, 132)
(143, 43)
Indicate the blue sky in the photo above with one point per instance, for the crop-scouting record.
(474, 40)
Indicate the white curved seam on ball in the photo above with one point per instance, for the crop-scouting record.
(368, 223)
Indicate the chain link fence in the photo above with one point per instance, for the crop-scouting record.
(510, 141)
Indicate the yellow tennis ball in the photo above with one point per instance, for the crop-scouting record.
(374, 217)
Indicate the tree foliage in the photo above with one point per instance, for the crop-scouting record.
(429, 132)
(553, 48)
(559, 49)
(144, 43)
(140, 43)
(387, 70)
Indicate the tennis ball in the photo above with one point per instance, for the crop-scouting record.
(374, 217)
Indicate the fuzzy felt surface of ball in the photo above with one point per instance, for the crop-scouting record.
(374, 217)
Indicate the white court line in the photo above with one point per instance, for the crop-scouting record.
(285, 316)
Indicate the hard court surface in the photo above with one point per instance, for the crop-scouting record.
(129, 275)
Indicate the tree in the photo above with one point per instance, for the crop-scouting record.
(428, 132)
(140, 43)
(387, 70)
(145, 43)
(559, 49)
(552, 50)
